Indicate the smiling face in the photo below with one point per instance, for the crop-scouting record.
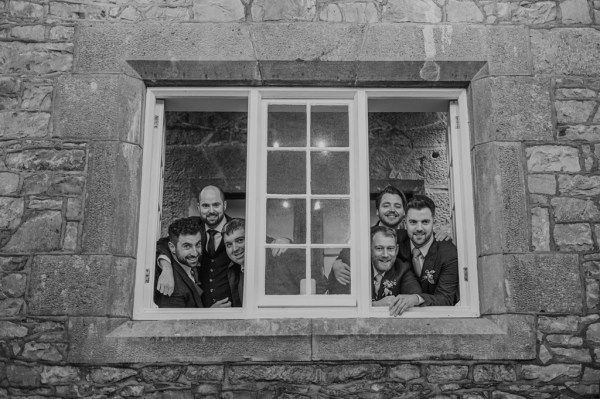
(188, 249)
(212, 206)
(419, 225)
(235, 245)
(383, 252)
(390, 210)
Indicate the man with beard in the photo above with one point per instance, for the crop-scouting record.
(393, 280)
(213, 273)
(185, 245)
(434, 262)
(234, 236)
(389, 207)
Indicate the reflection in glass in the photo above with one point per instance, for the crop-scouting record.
(286, 172)
(286, 126)
(330, 172)
(329, 256)
(287, 218)
(330, 221)
(329, 126)
(285, 274)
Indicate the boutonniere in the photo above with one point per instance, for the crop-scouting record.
(428, 275)
(387, 287)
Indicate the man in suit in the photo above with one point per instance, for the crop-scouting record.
(234, 237)
(185, 245)
(435, 262)
(392, 276)
(214, 273)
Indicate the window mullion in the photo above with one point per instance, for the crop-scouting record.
(308, 283)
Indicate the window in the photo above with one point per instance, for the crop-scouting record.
(303, 172)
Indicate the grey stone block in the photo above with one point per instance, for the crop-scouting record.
(494, 337)
(515, 108)
(112, 341)
(508, 50)
(113, 197)
(491, 277)
(500, 199)
(543, 283)
(569, 51)
(307, 41)
(98, 107)
(71, 285)
(103, 48)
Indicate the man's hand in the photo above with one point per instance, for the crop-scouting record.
(223, 303)
(403, 302)
(165, 284)
(341, 271)
(280, 251)
(443, 236)
(385, 301)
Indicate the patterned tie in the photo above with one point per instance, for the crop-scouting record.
(377, 282)
(211, 243)
(416, 261)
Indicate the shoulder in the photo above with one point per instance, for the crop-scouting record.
(445, 246)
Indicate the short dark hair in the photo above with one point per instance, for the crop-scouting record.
(386, 231)
(185, 226)
(419, 201)
(389, 189)
(233, 225)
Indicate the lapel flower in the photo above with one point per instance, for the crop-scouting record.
(387, 287)
(428, 275)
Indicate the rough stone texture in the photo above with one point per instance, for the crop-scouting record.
(9, 183)
(549, 158)
(349, 12)
(23, 124)
(107, 375)
(579, 185)
(502, 114)
(294, 10)
(12, 330)
(542, 184)
(53, 184)
(38, 232)
(592, 293)
(551, 372)
(405, 372)
(463, 11)
(493, 372)
(11, 212)
(574, 210)
(543, 283)
(573, 237)
(94, 280)
(12, 285)
(566, 51)
(540, 229)
(574, 111)
(98, 107)
(554, 325)
(593, 333)
(564, 340)
(218, 11)
(43, 159)
(411, 11)
(535, 13)
(112, 199)
(575, 12)
(500, 199)
(438, 374)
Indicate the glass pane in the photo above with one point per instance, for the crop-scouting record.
(330, 221)
(330, 172)
(286, 172)
(329, 126)
(286, 126)
(286, 218)
(285, 274)
(330, 256)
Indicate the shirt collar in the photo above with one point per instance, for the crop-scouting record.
(424, 248)
(219, 227)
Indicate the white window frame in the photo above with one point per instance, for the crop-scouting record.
(345, 306)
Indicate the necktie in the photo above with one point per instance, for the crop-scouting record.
(416, 252)
(211, 243)
(377, 282)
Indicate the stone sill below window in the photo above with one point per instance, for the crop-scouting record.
(499, 337)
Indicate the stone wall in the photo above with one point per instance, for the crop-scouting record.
(70, 116)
